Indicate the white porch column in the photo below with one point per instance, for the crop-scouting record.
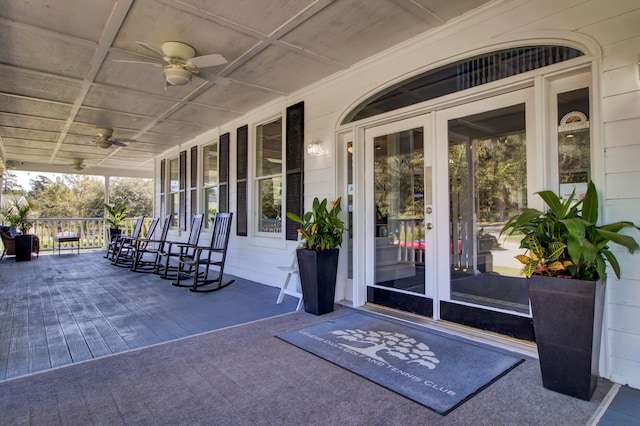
(105, 232)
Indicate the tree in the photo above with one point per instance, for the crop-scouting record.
(136, 194)
(52, 199)
(83, 196)
(88, 195)
(11, 185)
(38, 185)
(376, 343)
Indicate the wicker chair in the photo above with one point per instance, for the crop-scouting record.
(9, 242)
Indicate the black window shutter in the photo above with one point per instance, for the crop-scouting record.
(223, 173)
(183, 198)
(163, 187)
(241, 181)
(194, 167)
(295, 167)
(163, 182)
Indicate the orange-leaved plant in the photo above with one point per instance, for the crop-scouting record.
(565, 241)
(321, 229)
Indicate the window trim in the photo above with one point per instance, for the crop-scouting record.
(257, 179)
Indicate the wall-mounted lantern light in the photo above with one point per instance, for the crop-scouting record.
(314, 148)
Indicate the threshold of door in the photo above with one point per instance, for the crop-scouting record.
(521, 347)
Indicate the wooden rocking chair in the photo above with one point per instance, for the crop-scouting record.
(213, 255)
(118, 240)
(124, 256)
(174, 249)
(151, 248)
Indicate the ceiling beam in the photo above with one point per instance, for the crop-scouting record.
(118, 15)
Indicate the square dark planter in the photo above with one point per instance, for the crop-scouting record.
(318, 271)
(567, 319)
(24, 244)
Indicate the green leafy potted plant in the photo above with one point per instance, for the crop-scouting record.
(321, 233)
(18, 214)
(115, 217)
(565, 260)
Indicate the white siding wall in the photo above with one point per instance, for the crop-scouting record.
(621, 117)
(610, 27)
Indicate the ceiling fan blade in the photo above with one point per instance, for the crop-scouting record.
(125, 140)
(208, 60)
(155, 64)
(224, 82)
(153, 49)
(118, 142)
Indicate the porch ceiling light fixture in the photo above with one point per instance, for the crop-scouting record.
(177, 76)
(314, 148)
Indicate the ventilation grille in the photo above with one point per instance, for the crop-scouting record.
(506, 63)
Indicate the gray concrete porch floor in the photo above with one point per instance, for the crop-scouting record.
(60, 310)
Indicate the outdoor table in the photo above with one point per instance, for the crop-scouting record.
(65, 239)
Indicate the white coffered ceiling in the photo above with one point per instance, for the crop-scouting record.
(59, 79)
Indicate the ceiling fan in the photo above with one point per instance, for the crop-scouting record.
(77, 164)
(104, 140)
(181, 63)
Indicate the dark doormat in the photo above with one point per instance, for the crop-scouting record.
(432, 369)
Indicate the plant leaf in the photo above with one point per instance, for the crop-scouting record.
(555, 251)
(613, 262)
(529, 269)
(556, 266)
(624, 240)
(590, 205)
(552, 200)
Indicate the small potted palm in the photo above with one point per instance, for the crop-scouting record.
(321, 231)
(18, 214)
(116, 214)
(565, 261)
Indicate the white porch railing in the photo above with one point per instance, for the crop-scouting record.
(90, 230)
(408, 236)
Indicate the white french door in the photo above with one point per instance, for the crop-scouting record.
(437, 190)
(488, 152)
(399, 221)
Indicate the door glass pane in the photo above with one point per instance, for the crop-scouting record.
(399, 210)
(574, 142)
(487, 185)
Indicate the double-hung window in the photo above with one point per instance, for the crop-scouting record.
(268, 177)
(210, 179)
(173, 206)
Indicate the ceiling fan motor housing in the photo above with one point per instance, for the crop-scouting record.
(177, 76)
(103, 143)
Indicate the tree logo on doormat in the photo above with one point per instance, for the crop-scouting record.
(376, 343)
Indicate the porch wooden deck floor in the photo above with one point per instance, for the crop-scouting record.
(58, 310)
